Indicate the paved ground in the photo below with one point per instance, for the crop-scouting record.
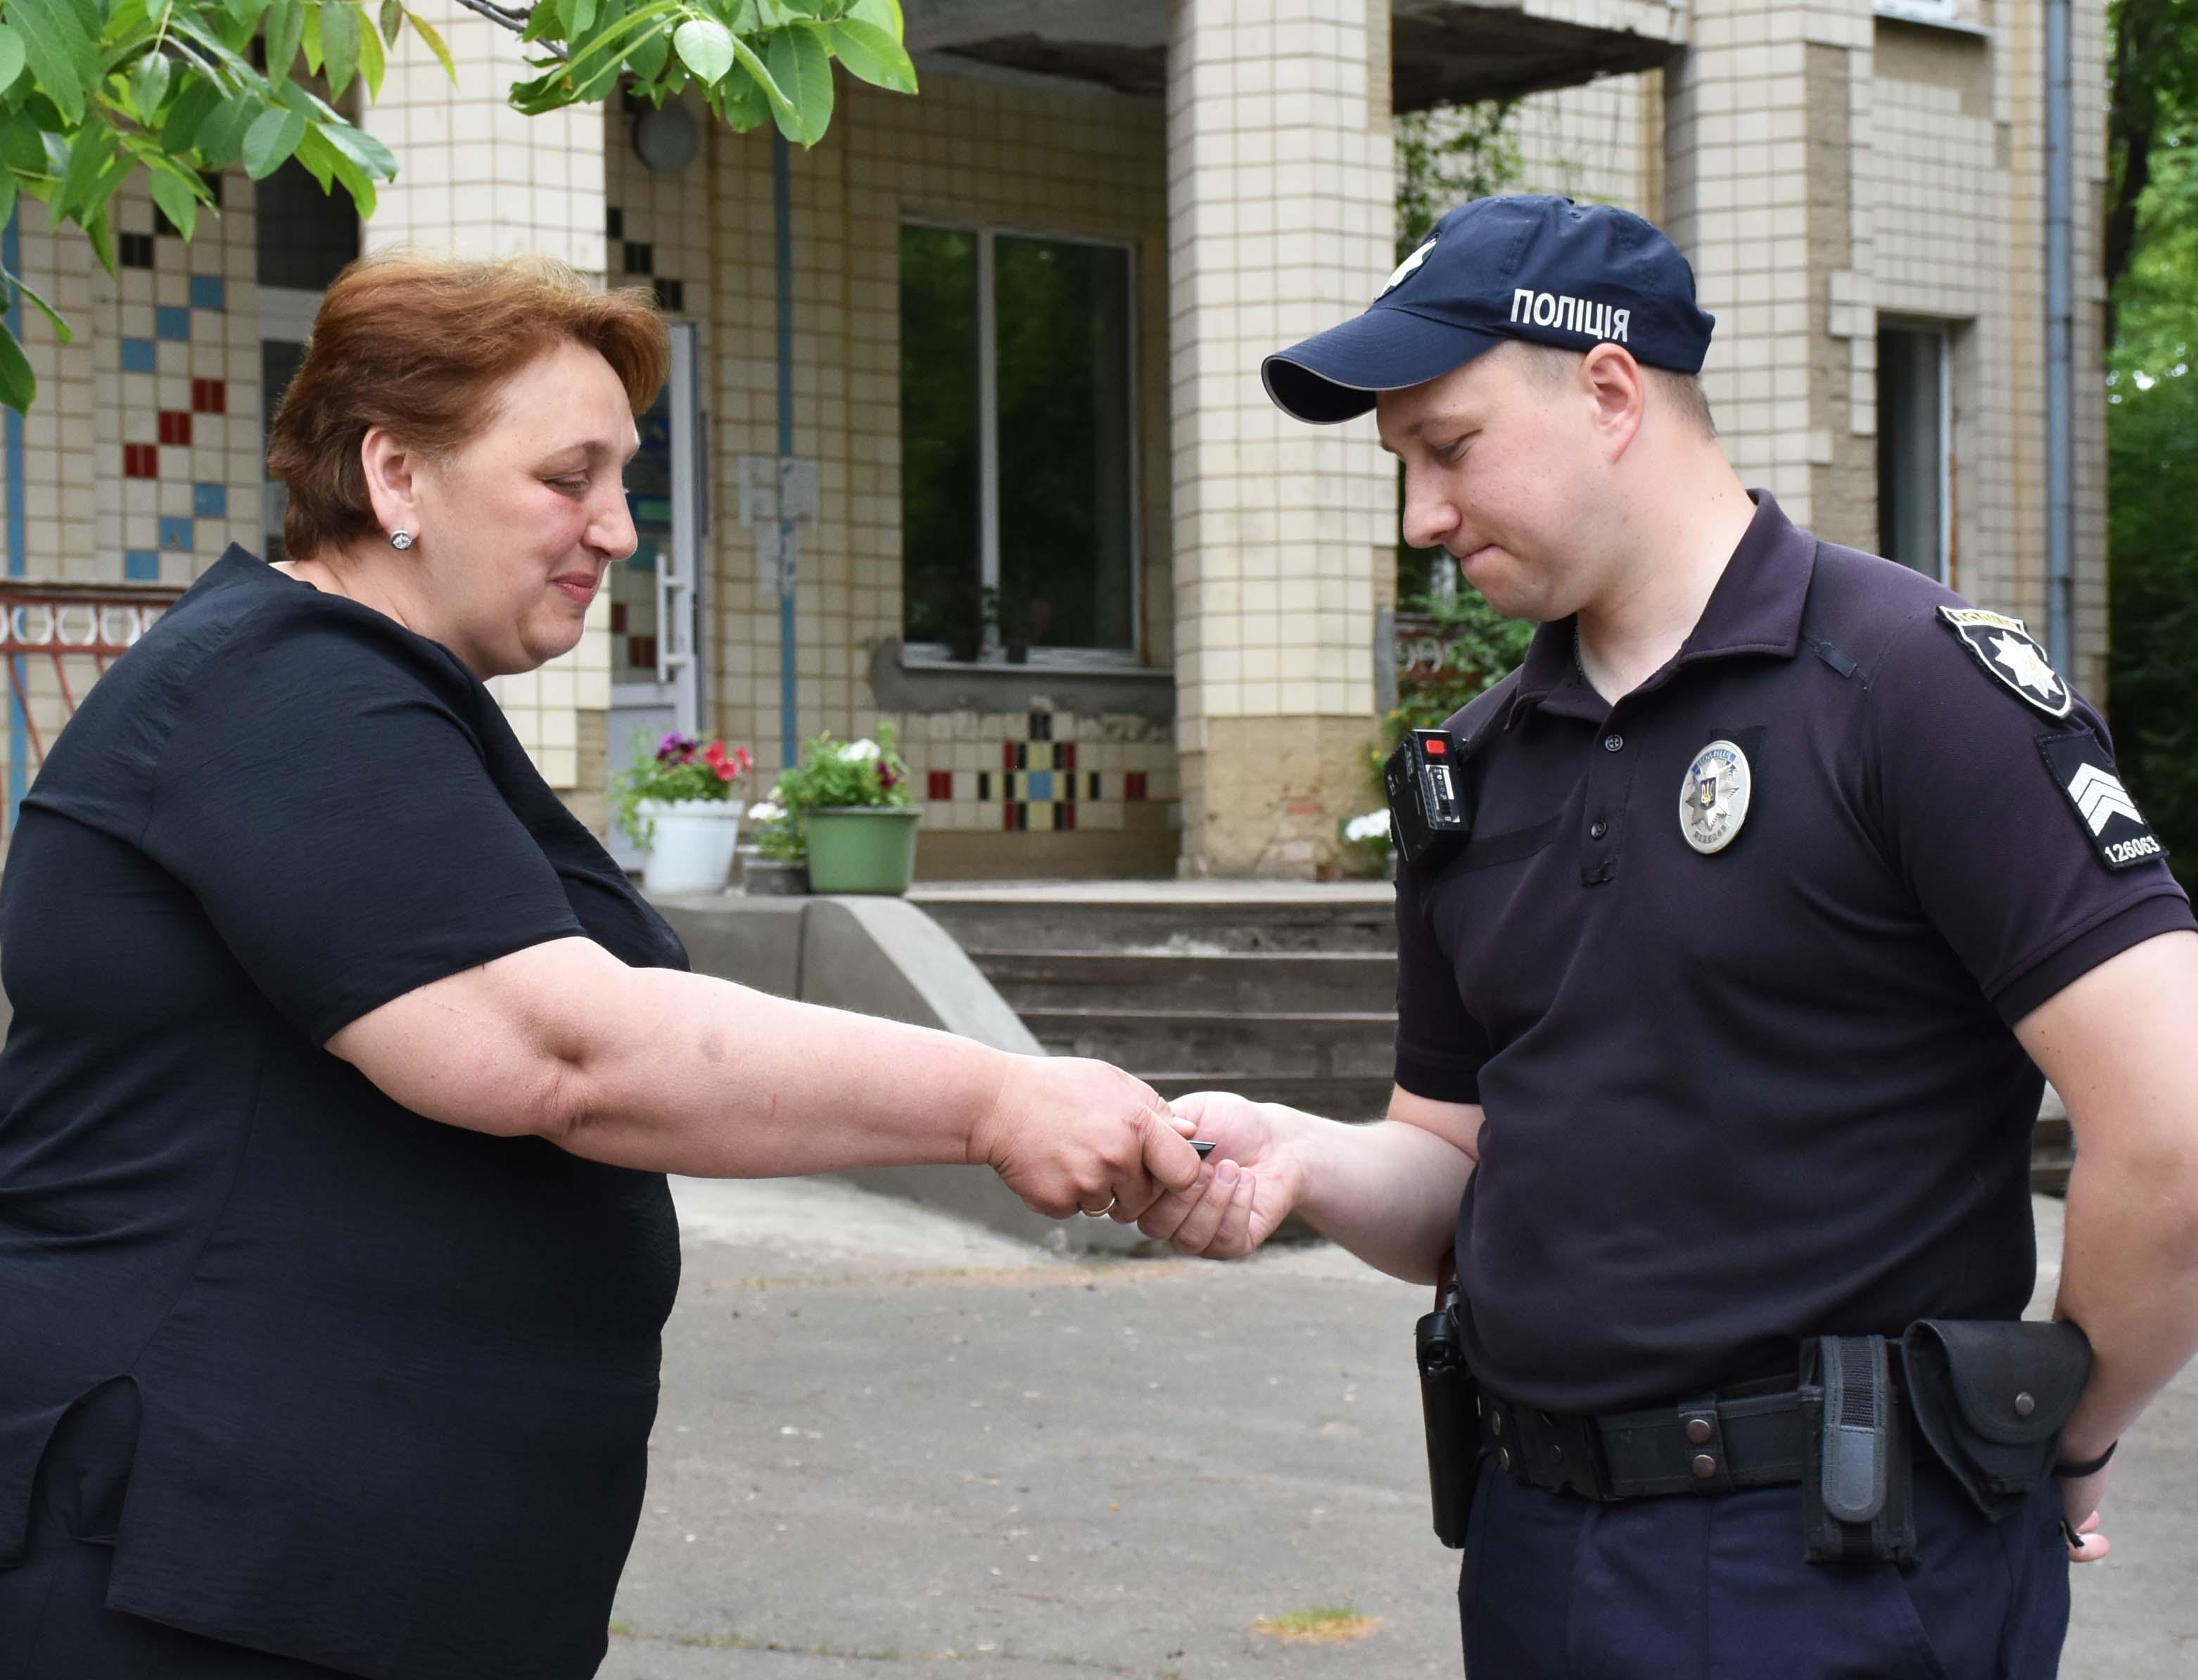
(893, 1445)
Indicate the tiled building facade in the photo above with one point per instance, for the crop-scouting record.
(1844, 180)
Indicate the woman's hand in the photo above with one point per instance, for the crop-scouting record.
(1246, 1188)
(1072, 1136)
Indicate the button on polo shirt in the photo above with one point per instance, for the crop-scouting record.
(1736, 1098)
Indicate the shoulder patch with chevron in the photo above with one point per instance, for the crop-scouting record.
(2108, 816)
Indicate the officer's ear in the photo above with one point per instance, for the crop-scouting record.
(1618, 394)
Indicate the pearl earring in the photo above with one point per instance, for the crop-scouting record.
(400, 539)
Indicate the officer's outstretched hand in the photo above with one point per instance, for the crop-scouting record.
(1246, 1188)
(2081, 1496)
(1069, 1135)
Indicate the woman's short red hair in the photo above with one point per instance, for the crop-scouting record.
(420, 347)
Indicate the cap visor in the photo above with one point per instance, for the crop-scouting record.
(1336, 375)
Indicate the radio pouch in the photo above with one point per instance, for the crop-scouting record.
(1992, 1396)
(1450, 1404)
(1856, 1503)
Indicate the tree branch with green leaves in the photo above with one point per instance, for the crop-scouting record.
(92, 92)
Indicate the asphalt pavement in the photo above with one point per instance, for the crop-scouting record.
(892, 1444)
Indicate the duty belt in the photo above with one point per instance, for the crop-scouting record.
(1751, 1436)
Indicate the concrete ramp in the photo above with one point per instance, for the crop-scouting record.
(882, 956)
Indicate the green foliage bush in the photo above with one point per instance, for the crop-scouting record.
(2152, 440)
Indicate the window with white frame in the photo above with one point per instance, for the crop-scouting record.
(1915, 446)
(1018, 444)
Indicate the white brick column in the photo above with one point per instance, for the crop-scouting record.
(475, 178)
(1280, 222)
(1765, 115)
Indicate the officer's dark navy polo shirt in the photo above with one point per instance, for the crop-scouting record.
(396, 1378)
(1772, 1092)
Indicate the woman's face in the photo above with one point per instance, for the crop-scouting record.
(517, 529)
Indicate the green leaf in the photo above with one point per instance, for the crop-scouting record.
(870, 53)
(647, 60)
(225, 58)
(61, 327)
(579, 17)
(59, 51)
(171, 191)
(285, 34)
(706, 47)
(90, 152)
(221, 136)
(11, 55)
(880, 14)
(244, 11)
(318, 160)
(268, 143)
(360, 188)
(8, 195)
(370, 154)
(311, 40)
(393, 20)
(19, 385)
(425, 32)
(148, 84)
(765, 82)
(373, 60)
(192, 108)
(23, 145)
(102, 239)
(801, 64)
(340, 33)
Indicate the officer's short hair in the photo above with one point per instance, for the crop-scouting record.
(1682, 393)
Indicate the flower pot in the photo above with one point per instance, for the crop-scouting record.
(691, 843)
(763, 877)
(861, 848)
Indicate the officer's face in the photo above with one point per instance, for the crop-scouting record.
(1502, 463)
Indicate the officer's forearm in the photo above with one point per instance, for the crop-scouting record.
(1387, 1192)
(2129, 1277)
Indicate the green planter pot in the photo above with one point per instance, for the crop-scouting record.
(861, 848)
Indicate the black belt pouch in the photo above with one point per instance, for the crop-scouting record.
(1449, 1402)
(1992, 1396)
(1856, 1480)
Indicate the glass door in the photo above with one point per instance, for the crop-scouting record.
(656, 666)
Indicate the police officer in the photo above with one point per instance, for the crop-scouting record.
(1719, 1041)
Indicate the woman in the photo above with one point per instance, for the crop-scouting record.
(345, 1066)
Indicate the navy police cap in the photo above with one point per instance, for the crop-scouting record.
(1527, 266)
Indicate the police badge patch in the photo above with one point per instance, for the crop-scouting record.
(2122, 838)
(2005, 648)
(1713, 798)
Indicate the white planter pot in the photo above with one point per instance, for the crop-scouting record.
(692, 845)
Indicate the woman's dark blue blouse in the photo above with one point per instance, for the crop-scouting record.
(396, 1378)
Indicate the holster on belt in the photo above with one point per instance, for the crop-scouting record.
(1992, 1396)
(1856, 1478)
(1449, 1402)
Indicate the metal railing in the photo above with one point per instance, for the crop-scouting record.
(56, 641)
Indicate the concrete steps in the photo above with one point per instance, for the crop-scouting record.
(1234, 982)
(1283, 993)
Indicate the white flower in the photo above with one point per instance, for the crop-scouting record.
(763, 811)
(1374, 825)
(860, 751)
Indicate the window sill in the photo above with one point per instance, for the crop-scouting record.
(914, 680)
(1889, 11)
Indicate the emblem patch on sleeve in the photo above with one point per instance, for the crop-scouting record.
(2087, 775)
(2005, 648)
